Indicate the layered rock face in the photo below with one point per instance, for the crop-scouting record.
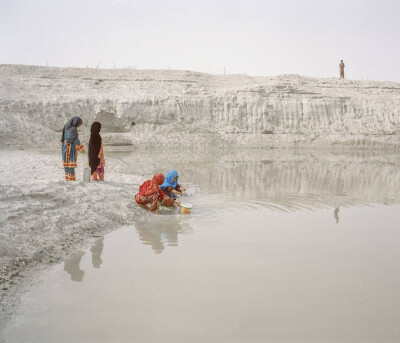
(153, 107)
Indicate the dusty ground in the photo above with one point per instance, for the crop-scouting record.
(43, 216)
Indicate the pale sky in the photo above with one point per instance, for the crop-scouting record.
(262, 38)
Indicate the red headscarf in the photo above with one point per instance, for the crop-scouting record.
(151, 186)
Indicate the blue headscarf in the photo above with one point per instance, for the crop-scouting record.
(168, 179)
(70, 131)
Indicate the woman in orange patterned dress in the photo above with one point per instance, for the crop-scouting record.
(150, 193)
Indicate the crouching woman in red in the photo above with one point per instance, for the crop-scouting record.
(150, 193)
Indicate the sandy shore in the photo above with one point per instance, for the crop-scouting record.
(43, 217)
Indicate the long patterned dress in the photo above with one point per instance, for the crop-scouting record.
(156, 198)
(70, 158)
(98, 174)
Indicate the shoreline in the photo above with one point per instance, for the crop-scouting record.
(45, 218)
(38, 231)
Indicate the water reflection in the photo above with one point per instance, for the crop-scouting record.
(336, 215)
(96, 250)
(284, 180)
(161, 231)
(252, 180)
(71, 266)
(300, 181)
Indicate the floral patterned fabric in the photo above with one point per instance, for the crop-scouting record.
(98, 174)
(150, 193)
(168, 191)
(70, 158)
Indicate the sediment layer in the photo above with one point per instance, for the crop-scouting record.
(151, 107)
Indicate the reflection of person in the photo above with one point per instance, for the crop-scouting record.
(150, 193)
(71, 266)
(70, 147)
(341, 67)
(170, 186)
(96, 250)
(151, 234)
(157, 233)
(96, 154)
(336, 214)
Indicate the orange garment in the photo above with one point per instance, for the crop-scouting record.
(98, 174)
(150, 193)
(70, 158)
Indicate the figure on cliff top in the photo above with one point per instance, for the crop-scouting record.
(341, 67)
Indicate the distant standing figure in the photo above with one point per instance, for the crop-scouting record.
(96, 154)
(70, 147)
(341, 66)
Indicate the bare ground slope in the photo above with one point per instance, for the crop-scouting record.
(153, 107)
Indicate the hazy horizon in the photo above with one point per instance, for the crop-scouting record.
(258, 38)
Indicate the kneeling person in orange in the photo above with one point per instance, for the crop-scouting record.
(150, 193)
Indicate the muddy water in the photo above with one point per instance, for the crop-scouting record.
(280, 247)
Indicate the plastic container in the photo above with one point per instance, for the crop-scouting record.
(185, 208)
(86, 174)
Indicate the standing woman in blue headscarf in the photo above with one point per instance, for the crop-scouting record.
(170, 186)
(70, 147)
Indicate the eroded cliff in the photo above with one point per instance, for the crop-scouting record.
(152, 107)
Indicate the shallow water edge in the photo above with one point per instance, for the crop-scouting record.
(251, 181)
